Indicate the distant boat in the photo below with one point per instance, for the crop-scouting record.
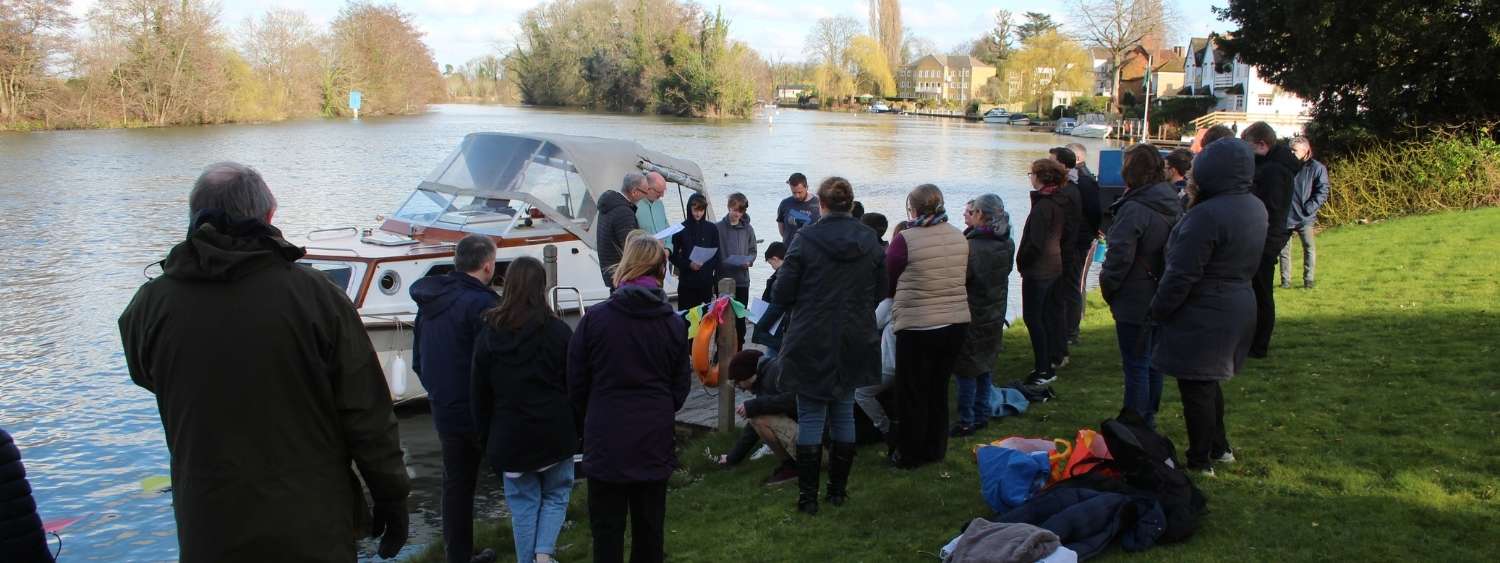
(1065, 126)
(997, 115)
(879, 107)
(1019, 119)
(1092, 131)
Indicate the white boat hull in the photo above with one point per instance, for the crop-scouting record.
(996, 119)
(1092, 131)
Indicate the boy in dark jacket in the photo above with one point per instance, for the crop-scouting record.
(1275, 171)
(448, 321)
(775, 253)
(771, 415)
(695, 280)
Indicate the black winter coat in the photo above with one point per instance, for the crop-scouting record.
(695, 233)
(1093, 210)
(833, 277)
(988, 284)
(1076, 234)
(1088, 521)
(762, 334)
(616, 220)
(521, 405)
(269, 390)
(1275, 173)
(629, 373)
(1204, 306)
(448, 309)
(22, 538)
(1136, 249)
(770, 399)
(1045, 240)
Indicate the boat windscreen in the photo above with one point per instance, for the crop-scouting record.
(467, 194)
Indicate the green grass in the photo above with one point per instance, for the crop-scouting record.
(1370, 434)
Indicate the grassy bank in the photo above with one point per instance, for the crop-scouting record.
(1370, 434)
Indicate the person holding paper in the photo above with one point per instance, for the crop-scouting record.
(696, 255)
(737, 248)
(650, 212)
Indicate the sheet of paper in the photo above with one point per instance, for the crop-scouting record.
(757, 310)
(740, 261)
(702, 255)
(668, 232)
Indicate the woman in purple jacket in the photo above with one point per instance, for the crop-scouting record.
(628, 373)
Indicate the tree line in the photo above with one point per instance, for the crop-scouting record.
(173, 62)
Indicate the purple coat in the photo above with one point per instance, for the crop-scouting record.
(628, 373)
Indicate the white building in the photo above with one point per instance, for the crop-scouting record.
(1104, 77)
(1243, 97)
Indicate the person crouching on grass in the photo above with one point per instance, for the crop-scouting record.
(521, 408)
(771, 415)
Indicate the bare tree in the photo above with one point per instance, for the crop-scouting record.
(830, 39)
(1119, 26)
(885, 27)
(914, 47)
(282, 50)
(32, 33)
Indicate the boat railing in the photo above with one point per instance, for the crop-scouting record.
(557, 294)
(323, 234)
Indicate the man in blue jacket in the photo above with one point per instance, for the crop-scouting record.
(1309, 193)
(448, 321)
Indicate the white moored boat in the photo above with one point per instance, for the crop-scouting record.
(533, 194)
(997, 115)
(1092, 130)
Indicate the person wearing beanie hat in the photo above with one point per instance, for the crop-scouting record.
(1204, 307)
(770, 416)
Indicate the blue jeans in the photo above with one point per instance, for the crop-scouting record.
(812, 414)
(1142, 383)
(538, 506)
(974, 399)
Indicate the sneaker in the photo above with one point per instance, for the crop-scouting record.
(960, 431)
(1286, 285)
(1041, 378)
(785, 473)
(485, 556)
(763, 451)
(1226, 457)
(1309, 284)
(1061, 363)
(1206, 470)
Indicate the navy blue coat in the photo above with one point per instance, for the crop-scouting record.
(1136, 248)
(1204, 305)
(21, 537)
(1087, 521)
(695, 233)
(628, 373)
(448, 309)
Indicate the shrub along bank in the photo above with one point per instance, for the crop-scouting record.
(1443, 172)
(1368, 435)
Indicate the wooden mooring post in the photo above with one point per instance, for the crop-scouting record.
(728, 344)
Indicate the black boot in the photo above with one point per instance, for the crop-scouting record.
(839, 462)
(809, 462)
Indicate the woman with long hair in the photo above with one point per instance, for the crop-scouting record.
(1137, 244)
(628, 374)
(521, 408)
(1039, 260)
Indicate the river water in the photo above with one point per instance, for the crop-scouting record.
(82, 213)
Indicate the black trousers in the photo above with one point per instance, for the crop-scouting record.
(1265, 305)
(1203, 411)
(1039, 321)
(1072, 297)
(645, 503)
(462, 458)
(924, 365)
(693, 296)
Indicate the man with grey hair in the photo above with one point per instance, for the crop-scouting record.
(1093, 216)
(448, 321)
(617, 217)
(650, 212)
(269, 391)
(1309, 193)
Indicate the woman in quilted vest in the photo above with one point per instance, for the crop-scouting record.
(927, 264)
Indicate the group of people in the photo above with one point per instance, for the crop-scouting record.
(284, 414)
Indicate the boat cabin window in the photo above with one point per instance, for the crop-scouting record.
(339, 274)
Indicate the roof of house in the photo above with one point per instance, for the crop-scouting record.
(1099, 53)
(1165, 60)
(965, 61)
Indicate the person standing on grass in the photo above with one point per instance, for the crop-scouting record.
(798, 210)
(522, 411)
(617, 218)
(650, 212)
(1143, 219)
(925, 265)
(991, 256)
(695, 280)
(737, 238)
(628, 374)
(1204, 306)
(832, 278)
(274, 404)
(1309, 192)
(1067, 293)
(1039, 259)
(1093, 217)
(770, 417)
(1275, 174)
(448, 321)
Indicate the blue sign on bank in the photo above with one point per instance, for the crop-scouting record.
(354, 100)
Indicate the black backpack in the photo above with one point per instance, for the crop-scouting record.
(1148, 461)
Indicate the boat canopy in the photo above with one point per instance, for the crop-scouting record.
(494, 180)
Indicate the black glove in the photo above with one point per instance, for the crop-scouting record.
(390, 524)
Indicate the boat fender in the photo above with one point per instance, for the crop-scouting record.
(396, 376)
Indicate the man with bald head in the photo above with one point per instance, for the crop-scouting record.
(269, 391)
(650, 212)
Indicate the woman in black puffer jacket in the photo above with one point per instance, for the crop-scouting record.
(22, 539)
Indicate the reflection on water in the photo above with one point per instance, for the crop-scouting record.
(83, 213)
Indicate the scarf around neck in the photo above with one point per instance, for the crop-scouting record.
(929, 220)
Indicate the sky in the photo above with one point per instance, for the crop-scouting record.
(459, 30)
